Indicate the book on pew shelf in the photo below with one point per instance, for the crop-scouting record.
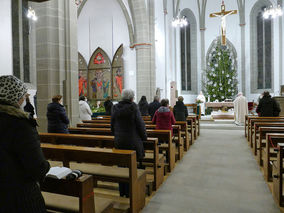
(58, 172)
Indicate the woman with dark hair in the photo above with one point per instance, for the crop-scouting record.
(164, 117)
(143, 106)
(108, 105)
(22, 163)
(85, 112)
(268, 107)
(29, 107)
(56, 116)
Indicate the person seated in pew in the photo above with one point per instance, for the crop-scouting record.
(154, 106)
(56, 116)
(129, 130)
(164, 117)
(268, 107)
(85, 112)
(22, 163)
(143, 106)
(180, 110)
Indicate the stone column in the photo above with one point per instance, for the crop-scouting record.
(280, 2)
(56, 57)
(242, 18)
(145, 73)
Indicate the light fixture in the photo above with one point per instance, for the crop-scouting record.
(179, 22)
(31, 14)
(272, 12)
(78, 2)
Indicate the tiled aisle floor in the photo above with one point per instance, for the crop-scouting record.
(218, 174)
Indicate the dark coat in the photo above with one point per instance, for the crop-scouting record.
(180, 111)
(143, 107)
(22, 163)
(268, 107)
(128, 127)
(153, 108)
(108, 105)
(57, 118)
(30, 109)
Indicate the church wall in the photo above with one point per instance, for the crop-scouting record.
(6, 58)
(188, 98)
(102, 24)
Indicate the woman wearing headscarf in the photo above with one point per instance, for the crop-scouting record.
(22, 164)
(56, 116)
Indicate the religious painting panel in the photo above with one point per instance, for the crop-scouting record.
(117, 73)
(99, 76)
(82, 75)
(99, 84)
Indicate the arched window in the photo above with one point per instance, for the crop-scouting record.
(261, 48)
(188, 48)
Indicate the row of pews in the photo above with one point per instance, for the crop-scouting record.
(90, 148)
(265, 136)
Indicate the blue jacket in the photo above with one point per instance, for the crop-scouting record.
(57, 118)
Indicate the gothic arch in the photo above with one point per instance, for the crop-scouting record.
(126, 15)
(192, 28)
(254, 47)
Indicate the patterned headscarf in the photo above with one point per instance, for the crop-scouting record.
(12, 89)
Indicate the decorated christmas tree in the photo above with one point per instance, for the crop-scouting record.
(220, 81)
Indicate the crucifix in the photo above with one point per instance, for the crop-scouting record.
(223, 14)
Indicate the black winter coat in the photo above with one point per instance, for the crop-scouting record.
(128, 127)
(143, 107)
(29, 108)
(180, 111)
(57, 118)
(153, 108)
(268, 107)
(108, 105)
(22, 163)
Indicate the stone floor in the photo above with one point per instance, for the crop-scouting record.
(218, 174)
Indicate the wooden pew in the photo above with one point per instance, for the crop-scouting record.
(269, 154)
(110, 157)
(176, 138)
(256, 138)
(278, 172)
(196, 124)
(162, 135)
(247, 118)
(262, 135)
(259, 119)
(185, 133)
(94, 125)
(81, 188)
(146, 118)
(84, 137)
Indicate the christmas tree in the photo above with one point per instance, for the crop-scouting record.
(221, 73)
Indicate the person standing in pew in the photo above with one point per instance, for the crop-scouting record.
(180, 110)
(164, 117)
(22, 164)
(56, 116)
(143, 106)
(154, 106)
(129, 130)
(108, 105)
(268, 107)
(85, 112)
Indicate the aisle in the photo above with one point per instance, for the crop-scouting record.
(218, 174)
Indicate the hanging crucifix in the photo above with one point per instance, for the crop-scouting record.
(223, 14)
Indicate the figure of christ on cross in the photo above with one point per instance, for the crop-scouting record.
(223, 14)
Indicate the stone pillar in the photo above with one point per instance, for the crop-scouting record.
(144, 73)
(56, 57)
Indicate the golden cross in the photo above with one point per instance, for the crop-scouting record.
(223, 15)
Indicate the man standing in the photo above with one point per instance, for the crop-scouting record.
(201, 98)
(240, 108)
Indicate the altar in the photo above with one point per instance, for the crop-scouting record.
(219, 105)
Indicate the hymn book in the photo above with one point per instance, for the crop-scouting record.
(58, 172)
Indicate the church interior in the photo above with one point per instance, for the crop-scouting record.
(210, 52)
